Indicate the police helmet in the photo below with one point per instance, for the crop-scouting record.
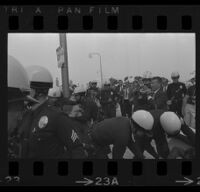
(106, 83)
(18, 82)
(94, 82)
(170, 122)
(40, 77)
(192, 75)
(175, 74)
(55, 92)
(144, 119)
(79, 90)
(131, 79)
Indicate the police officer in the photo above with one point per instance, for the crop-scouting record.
(45, 132)
(90, 108)
(94, 86)
(84, 114)
(53, 95)
(115, 131)
(189, 106)
(18, 90)
(107, 100)
(176, 92)
(151, 124)
(142, 123)
(158, 124)
(56, 99)
(182, 142)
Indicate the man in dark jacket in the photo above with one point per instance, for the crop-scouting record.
(107, 100)
(158, 100)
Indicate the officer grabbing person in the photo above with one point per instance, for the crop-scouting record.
(161, 126)
(46, 132)
(84, 113)
(18, 93)
(176, 92)
(87, 104)
(114, 131)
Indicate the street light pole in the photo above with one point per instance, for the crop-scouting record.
(101, 71)
(64, 69)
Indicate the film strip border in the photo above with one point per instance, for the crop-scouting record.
(134, 19)
(102, 173)
(101, 18)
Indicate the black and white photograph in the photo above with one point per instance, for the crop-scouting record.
(101, 95)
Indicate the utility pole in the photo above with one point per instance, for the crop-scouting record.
(101, 71)
(64, 68)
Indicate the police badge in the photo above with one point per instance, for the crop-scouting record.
(43, 122)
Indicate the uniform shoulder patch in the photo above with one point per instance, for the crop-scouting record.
(74, 136)
(43, 122)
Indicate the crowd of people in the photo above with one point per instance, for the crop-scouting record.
(143, 93)
(141, 114)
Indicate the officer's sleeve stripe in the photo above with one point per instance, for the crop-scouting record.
(74, 136)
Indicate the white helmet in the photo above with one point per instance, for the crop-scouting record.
(55, 92)
(94, 81)
(192, 75)
(131, 79)
(175, 74)
(144, 119)
(17, 76)
(79, 90)
(147, 74)
(39, 77)
(106, 82)
(18, 82)
(170, 122)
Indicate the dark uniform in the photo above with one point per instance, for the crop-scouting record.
(90, 109)
(176, 92)
(160, 138)
(108, 103)
(159, 134)
(83, 122)
(116, 131)
(144, 144)
(119, 94)
(183, 145)
(191, 92)
(47, 133)
(140, 101)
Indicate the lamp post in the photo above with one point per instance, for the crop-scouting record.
(64, 69)
(98, 54)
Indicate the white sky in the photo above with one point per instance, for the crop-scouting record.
(122, 54)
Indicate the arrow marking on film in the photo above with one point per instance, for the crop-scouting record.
(86, 181)
(186, 181)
